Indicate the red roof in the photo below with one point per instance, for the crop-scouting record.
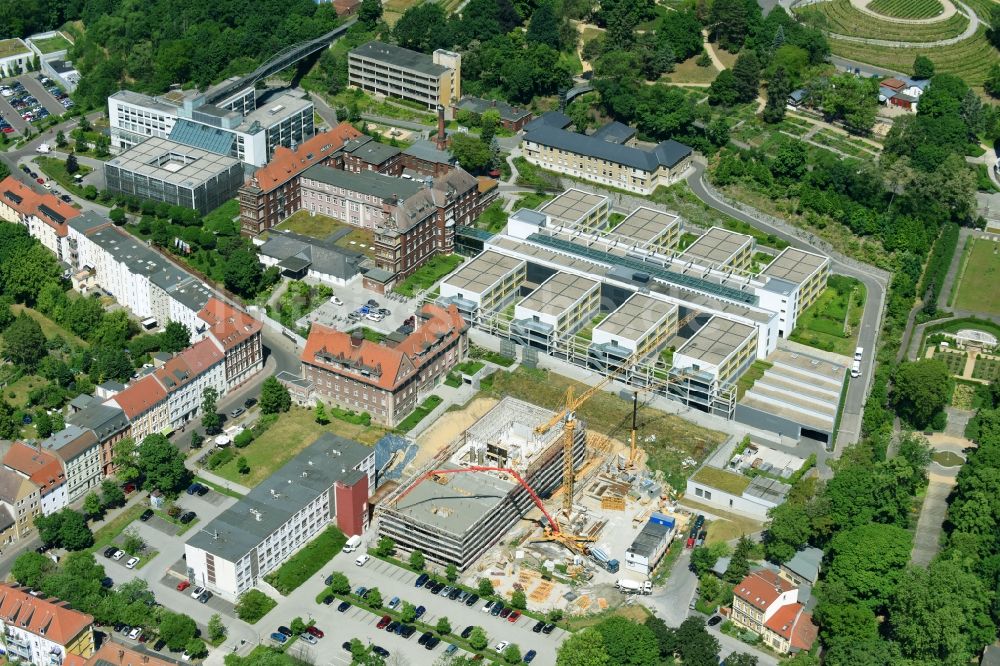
(762, 588)
(288, 163)
(47, 207)
(121, 655)
(895, 84)
(377, 364)
(201, 356)
(227, 324)
(140, 396)
(41, 467)
(793, 623)
(49, 617)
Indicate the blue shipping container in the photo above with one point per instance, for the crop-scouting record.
(661, 519)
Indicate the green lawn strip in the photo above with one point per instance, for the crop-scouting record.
(470, 367)
(55, 168)
(840, 407)
(181, 527)
(752, 374)
(418, 414)
(217, 488)
(425, 276)
(976, 290)
(51, 44)
(453, 380)
(146, 557)
(491, 356)
(104, 536)
(729, 482)
(493, 219)
(307, 561)
(316, 226)
(532, 200)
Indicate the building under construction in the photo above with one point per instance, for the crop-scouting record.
(454, 518)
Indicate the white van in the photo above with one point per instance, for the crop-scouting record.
(858, 353)
(43, 148)
(856, 369)
(352, 544)
(362, 559)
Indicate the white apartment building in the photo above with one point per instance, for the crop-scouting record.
(186, 376)
(328, 481)
(248, 129)
(392, 71)
(44, 215)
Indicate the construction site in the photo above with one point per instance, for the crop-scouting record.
(530, 499)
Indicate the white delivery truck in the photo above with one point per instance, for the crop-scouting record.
(352, 544)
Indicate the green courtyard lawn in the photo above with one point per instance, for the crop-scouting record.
(832, 322)
(292, 432)
(979, 279)
(305, 563)
(532, 200)
(425, 276)
(316, 226)
(55, 168)
(51, 44)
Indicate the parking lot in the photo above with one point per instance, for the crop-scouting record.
(354, 298)
(28, 98)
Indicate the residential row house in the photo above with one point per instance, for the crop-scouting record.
(43, 469)
(43, 631)
(44, 215)
(386, 379)
(20, 502)
(767, 604)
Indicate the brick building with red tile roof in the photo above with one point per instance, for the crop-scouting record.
(768, 604)
(145, 405)
(44, 214)
(35, 629)
(273, 193)
(238, 335)
(386, 379)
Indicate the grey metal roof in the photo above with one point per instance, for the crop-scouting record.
(806, 563)
(646, 224)
(173, 162)
(794, 265)
(399, 57)
(558, 294)
(480, 106)
(87, 221)
(573, 204)
(649, 539)
(717, 340)
(717, 246)
(370, 150)
(484, 272)
(104, 420)
(636, 317)
(528, 215)
(428, 152)
(366, 182)
(322, 255)
(614, 132)
(241, 527)
(197, 135)
(665, 154)
(549, 119)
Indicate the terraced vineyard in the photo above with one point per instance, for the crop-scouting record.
(841, 18)
(908, 9)
(970, 59)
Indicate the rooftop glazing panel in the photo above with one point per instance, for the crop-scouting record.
(717, 246)
(557, 294)
(483, 272)
(173, 162)
(646, 225)
(636, 317)
(714, 342)
(572, 205)
(794, 265)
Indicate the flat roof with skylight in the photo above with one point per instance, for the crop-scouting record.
(717, 246)
(717, 340)
(794, 265)
(482, 273)
(636, 317)
(173, 162)
(573, 205)
(558, 294)
(646, 225)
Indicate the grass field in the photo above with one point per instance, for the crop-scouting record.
(667, 439)
(831, 323)
(425, 276)
(291, 433)
(840, 17)
(55, 168)
(729, 482)
(728, 527)
(914, 9)
(976, 291)
(689, 72)
(316, 226)
(51, 44)
(970, 59)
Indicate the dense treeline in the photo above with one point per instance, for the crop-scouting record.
(166, 42)
(937, 266)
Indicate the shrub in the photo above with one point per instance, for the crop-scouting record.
(243, 439)
(219, 458)
(305, 563)
(253, 605)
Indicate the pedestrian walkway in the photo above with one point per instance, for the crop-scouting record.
(216, 479)
(926, 540)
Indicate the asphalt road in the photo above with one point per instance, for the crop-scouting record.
(857, 390)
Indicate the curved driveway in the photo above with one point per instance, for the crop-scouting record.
(873, 279)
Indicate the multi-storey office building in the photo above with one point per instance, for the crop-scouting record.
(329, 481)
(457, 517)
(44, 215)
(578, 209)
(175, 173)
(721, 248)
(642, 324)
(486, 284)
(244, 127)
(559, 307)
(805, 275)
(42, 631)
(711, 359)
(385, 380)
(392, 71)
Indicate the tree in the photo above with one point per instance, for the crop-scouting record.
(746, 76)
(869, 560)
(741, 659)
(216, 629)
(111, 363)
(243, 465)
(923, 67)
(24, 342)
(583, 648)
(117, 215)
(111, 494)
(60, 139)
(253, 605)
(72, 166)
(417, 560)
(73, 531)
(211, 421)
(992, 83)
(31, 568)
(739, 565)
(374, 598)
(420, 28)
(718, 131)
(485, 587)
(778, 89)
(125, 460)
(478, 639)
(443, 626)
(543, 28)
(133, 543)
(386, 546)
(339, 583)
(518, 600)
(370, 13)
(243, 273)
(43, 424)
(407, 612)
(732, 21)
(92, 505)
(696, 646)
(196, 648)
(512, 654)
(320, 416)
(48, 528)
(175, 337)
(629, 643)
(274, 397)
(488, 124)
(724, 90)
(162, 465)
(470, 151)
(787, 532)
(197, 440)
(297, 626)
(921, 389)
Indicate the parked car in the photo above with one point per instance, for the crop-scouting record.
(451, 649)
(279, 638)
(372, 303)
(362, 559)
(346, 645)
(432, 643)
(361, 592)
(187, 517)
(146, 515)
(344, 606)
(421, 579)
(497, 609)
(714, 620)
(392, 626)
(472, 600)
(549, 628)
(134, 634)
(315, 631)
(488, 607)
(529, 656)
(196, 592)
(429, 585)
(109, 551)
(393, 603)
(204, 597)
(467, 631)
(424, 637)
(119, 554)
(420, 612)
(454, 594)
(501, 646)
(380, 651)
(132, 561)
(285, 630)
(249, 402)
(202, 490)
(158, 645)
(513, 617)
(437, 588)
(336, 301)
(407, 630)
(384, 622)
(308, 638)
(538, 627)
(445, 591)
(505, 613)
(236, 412)
(193, 488)
(183, 585)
